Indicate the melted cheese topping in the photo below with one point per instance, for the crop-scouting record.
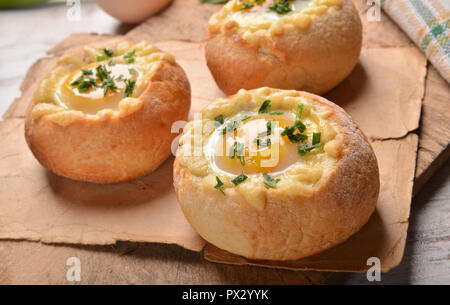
(254, 23)
(261, 153)
(204, 148)
(95, 99)
(57, 89)
(260, 16)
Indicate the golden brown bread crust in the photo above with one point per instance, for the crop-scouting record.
(315, 59)
(289, 227)
(115, 148)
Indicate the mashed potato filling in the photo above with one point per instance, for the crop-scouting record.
(250, 152)
(100, 78)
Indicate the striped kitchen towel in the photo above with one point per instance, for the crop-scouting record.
(427, 23)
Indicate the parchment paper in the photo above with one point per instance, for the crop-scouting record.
(383, 95)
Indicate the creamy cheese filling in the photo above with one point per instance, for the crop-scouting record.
(261, 14)
(257, 146)
(97, 94)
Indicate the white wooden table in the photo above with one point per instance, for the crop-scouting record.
(28, 33)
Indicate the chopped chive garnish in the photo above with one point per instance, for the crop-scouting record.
(300, 126)
(316, 138)
(269, 181)
(239, 179)
(85, 86)
(240, 152)
(111, 63)
(237, 149)
(132, 71)
(299, 112)
(297, 137)
(219, 186)
(77, 81)
(269, 126)
(102, 58)
(109, 84)
(304, 148)
(276, 112)
(129, 57)
(263, 143)
(265, 108)
(219, 120)
(108, 52)
(281, 7)
(233, 125)
(130, 87)
(246, 5)
(86, 71)
(289, 132)
(102, 73)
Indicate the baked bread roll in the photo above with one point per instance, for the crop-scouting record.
(309, 45)
(276, 175)
(104, 115)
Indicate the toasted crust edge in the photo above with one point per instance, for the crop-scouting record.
(313, 60)
(116, 148)
(289, 227)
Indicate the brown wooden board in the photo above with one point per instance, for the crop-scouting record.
(153, 263)
(146, 209)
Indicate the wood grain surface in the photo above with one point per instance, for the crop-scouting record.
(427, 252)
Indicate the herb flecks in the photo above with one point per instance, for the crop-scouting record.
(103, 80)
(109, 84)
(102, 58)
(289, 131)
(239, 179)
(270, 181)
(219, 186)
(316, 138)
(281, 7)
(265, 108)
(304, 148)
(237, 149)
(129, 87)
(129, 57)
(263, 143)
(102, 73)
(232, 125)
(218, 120)
(246, 5)
(108, 52)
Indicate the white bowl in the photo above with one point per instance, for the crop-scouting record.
(132, 11)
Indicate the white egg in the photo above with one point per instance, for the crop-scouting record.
(132, 11)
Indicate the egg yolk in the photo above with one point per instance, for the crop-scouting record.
(255, 147)
(92, 96)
